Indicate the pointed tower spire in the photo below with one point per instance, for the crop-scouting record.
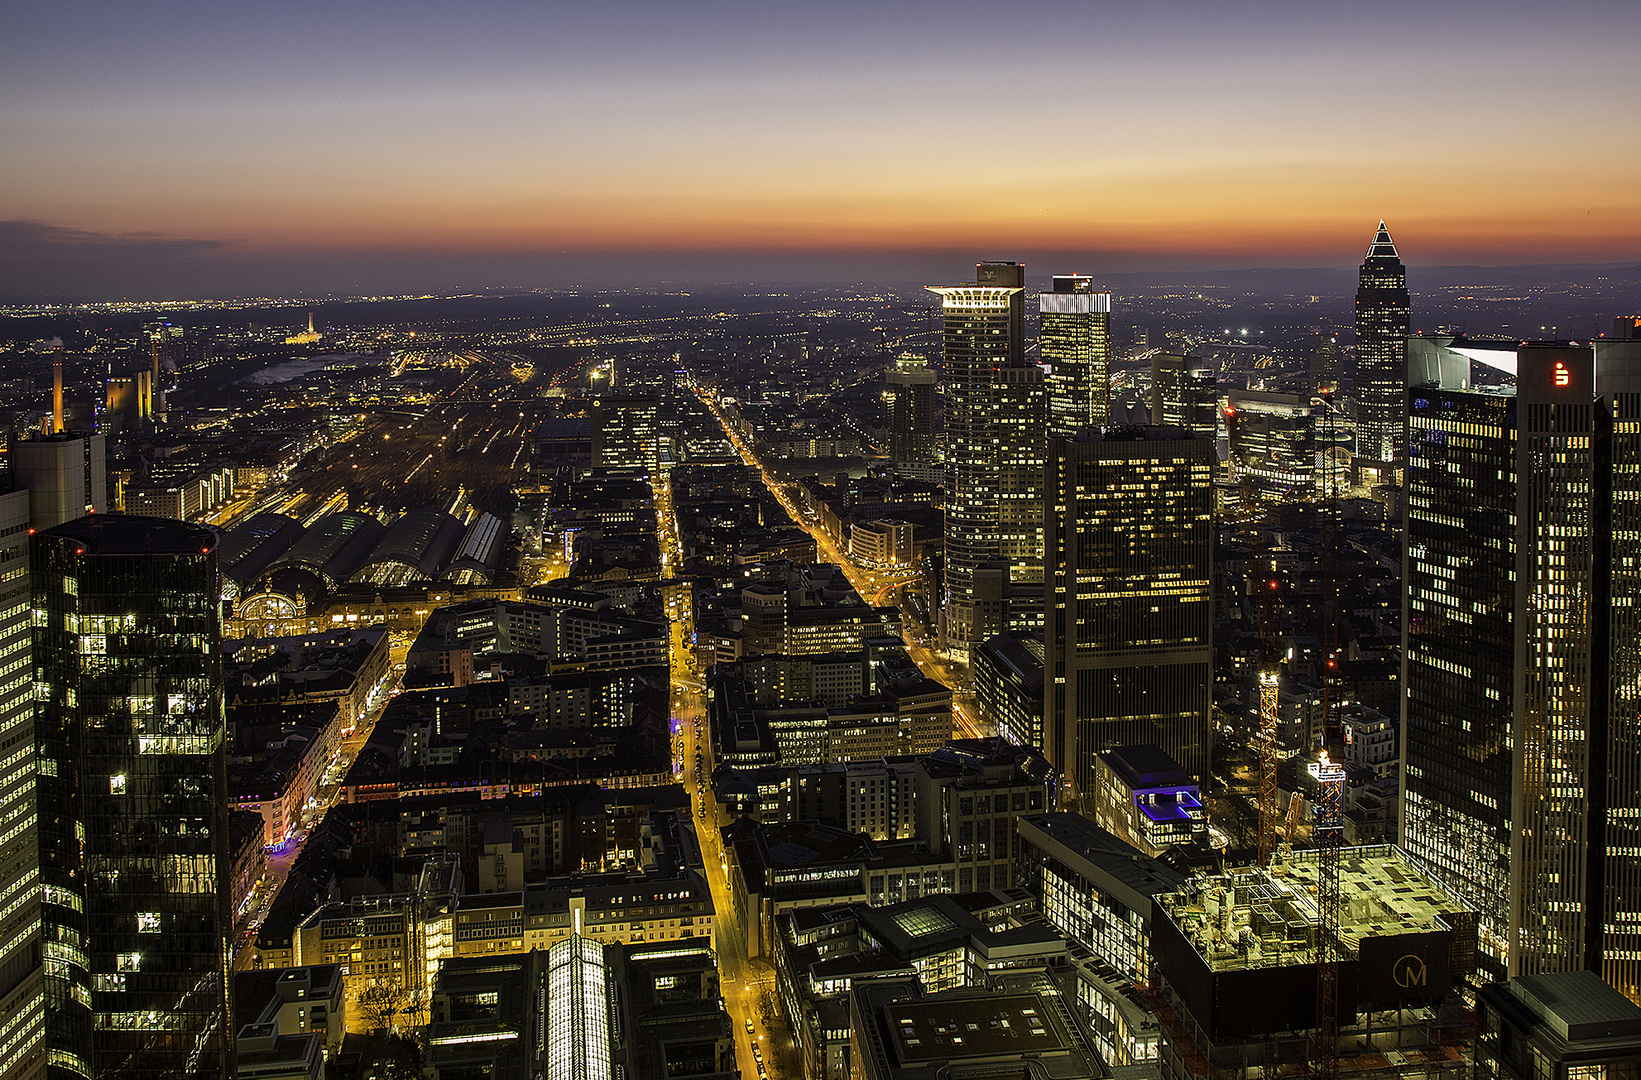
(1382, 246)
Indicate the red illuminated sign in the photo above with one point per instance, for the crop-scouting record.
(1563, 376)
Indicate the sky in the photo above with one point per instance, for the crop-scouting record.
(226, 148)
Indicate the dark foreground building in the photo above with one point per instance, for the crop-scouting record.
(132, 798)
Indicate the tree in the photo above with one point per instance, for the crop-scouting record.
(379, 1005)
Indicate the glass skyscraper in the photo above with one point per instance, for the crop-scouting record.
(22, 1002)
(133, 857)
(909, 412)
(984, 331)
(1074, 339)
(1522, 657)
(1128, 624)
(1383, 320)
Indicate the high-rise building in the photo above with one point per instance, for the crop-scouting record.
(984, 332)
(22, 991)
(1522, 648)
(1019, 407)
(1074, 338)
(1184, 394)
(627, 435)
(909, 411)
(1383, 319)
(64, 474)
(1128, 618)
(133, 858)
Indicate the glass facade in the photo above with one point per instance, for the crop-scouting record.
(1521, 754)
(22, 1005)
(1074, 339)
(1458, 662)
(133, 842)
(1129, 614)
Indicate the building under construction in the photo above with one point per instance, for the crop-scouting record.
(1236, 974)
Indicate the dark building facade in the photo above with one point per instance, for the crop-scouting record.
(130, 732)
(1383, 320)
(1128, 623)
(909, 416)
(1522, 649)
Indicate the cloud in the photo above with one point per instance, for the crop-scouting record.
(41, 261)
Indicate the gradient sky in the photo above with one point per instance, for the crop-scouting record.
(231, 147)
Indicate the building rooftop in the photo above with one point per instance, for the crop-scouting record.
(1579, 1006)
(939, 1030)
(1383, 896)
(128, 534)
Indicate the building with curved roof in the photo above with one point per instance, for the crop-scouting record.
(324, 557)
(336, 546)
(478, 554)
(415, 548)
(250, 547)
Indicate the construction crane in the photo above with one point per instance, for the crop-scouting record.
(1261, 590)
(1329, 512)
(1330, 828)
(1330, 781)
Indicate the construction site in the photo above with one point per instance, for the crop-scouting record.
(1238, 981)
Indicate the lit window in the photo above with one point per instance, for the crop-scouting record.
(116, 784)
(148, 922)
(129, 961)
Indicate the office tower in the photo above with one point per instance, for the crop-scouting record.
(129, 728)
(1019, 411)
(1128, 622)
(984, 330)
(1327, 363)
(1273, 443)
(64, 474)
(909, 412)
(627, 435)
(1184, 394)
(22, 997)
(1383, 318)
(1074, 338)
(1522, 648)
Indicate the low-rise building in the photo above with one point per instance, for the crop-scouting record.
(1022, 1027)
(947, 941)
(1558, 1026)
(1147, 799)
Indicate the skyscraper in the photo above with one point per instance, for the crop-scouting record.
(1019, 411)
(1128, 623)
(627, 435)
(22, 991)
(909, 412)
(1074, 338)
(130, 728)
(984, 331)
(1383, 319)
(1184, 394)
(1522, 648)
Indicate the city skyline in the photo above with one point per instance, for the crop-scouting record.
(187, 150)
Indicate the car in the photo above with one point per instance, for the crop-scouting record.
(750, 1028)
